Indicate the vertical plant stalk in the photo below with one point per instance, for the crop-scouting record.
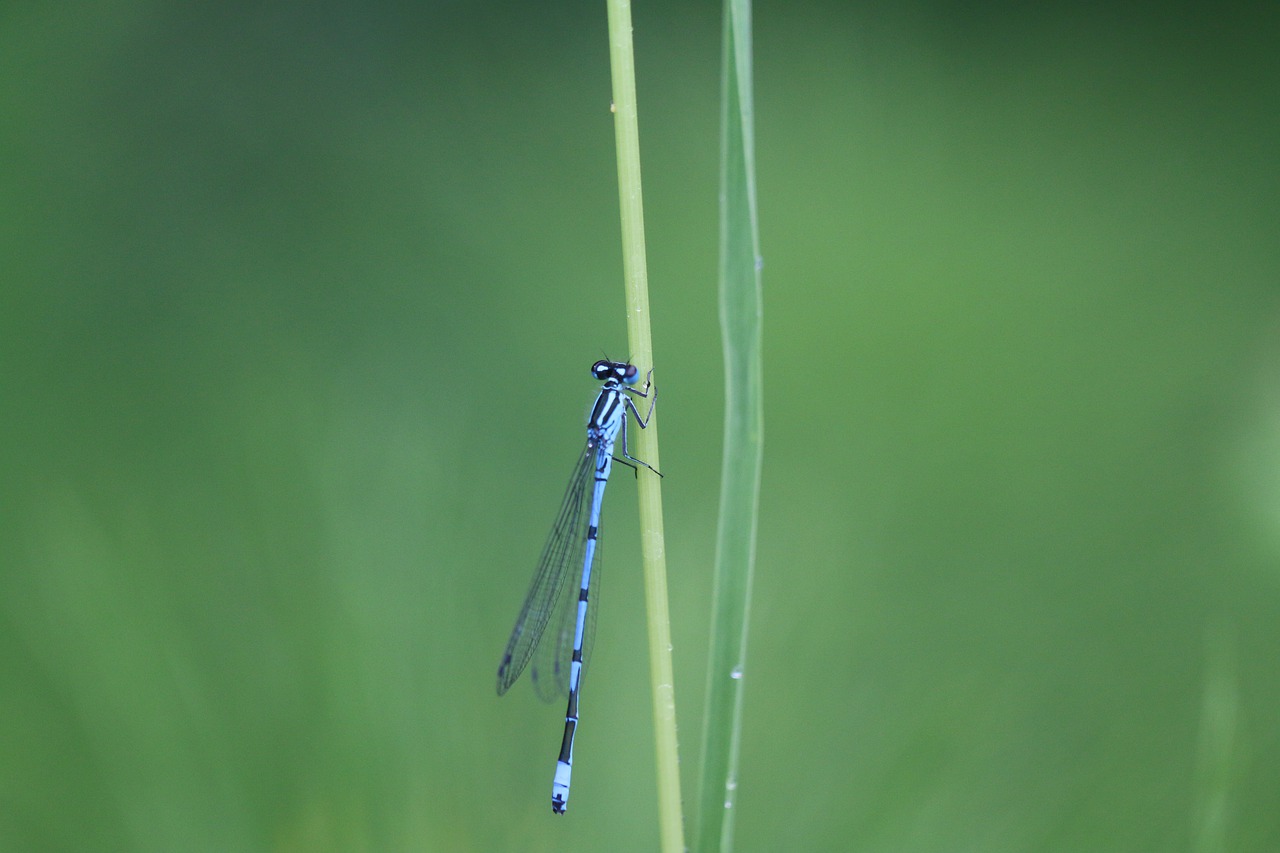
(741, 310)
(1219, 746)
(652, 548)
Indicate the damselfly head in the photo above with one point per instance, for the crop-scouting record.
(619, 370)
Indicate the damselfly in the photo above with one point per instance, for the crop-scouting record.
(557, 670)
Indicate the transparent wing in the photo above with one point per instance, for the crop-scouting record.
(553, 591)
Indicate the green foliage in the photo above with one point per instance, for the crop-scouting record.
(295, 322)
(741, 309)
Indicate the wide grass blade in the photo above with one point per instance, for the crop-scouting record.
(741, 310)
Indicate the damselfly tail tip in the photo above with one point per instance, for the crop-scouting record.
(558, 805)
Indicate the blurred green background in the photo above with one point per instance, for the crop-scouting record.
(297, 308)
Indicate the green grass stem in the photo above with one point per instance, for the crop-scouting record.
(653, 550)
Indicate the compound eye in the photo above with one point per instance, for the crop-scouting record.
(631, 374)
(601, 369)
